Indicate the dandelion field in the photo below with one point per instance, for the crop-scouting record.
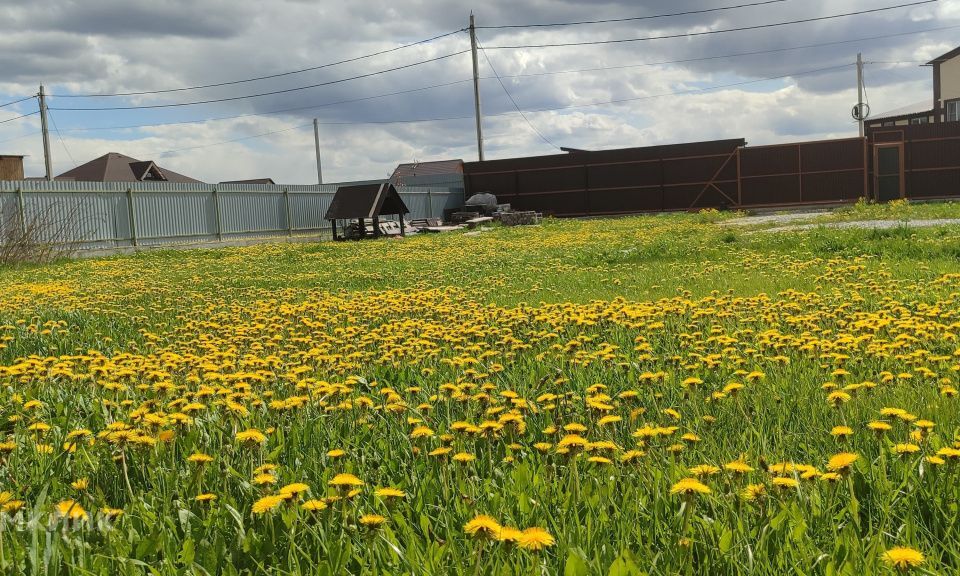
(654, 395)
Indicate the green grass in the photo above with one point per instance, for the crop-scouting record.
(517, 333)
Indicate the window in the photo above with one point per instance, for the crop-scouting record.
(953, 111)
(889, 123)
(920, 120)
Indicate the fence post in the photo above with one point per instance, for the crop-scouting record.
(23, 219)
(286, 203)
(429, 203)
(133, 217)
(216, 214)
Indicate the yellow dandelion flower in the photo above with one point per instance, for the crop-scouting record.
(72, 510)
(464, 457)
(841, 462)
(251, 436)
(482, 526)
(535, 538)
(388, 492)
(266, 504)
(314, 505)
(345, 481)
(689, 486)
(292, 491)
(905, 449)
(738, 467)
(199, 458)
(903, 558)
(372, 520)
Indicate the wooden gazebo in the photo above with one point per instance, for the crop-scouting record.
(366, 202)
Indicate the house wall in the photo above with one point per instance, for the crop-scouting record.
(950, 79)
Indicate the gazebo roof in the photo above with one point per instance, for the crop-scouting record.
(365, 201)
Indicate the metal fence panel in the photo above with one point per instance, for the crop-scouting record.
(242, 212)
(174, 216)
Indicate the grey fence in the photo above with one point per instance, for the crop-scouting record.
(103, 215)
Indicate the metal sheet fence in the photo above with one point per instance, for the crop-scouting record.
(717, 174)
(103, 215)
(653, 179)
(930, 158)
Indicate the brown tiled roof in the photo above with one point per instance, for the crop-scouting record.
(114, 167)
(365, 201)
(428, 168)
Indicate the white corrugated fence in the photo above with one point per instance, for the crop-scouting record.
(103, 215)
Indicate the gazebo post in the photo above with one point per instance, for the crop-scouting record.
(402, 231)
(376, 225)
(362, 228)
(333, 223)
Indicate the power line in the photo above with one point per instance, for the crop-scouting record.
(259, 114)
(526, 75)
(470, 117)
(686, 92)
(633, 19)
(737, 54)
(512, 100)
(19, 117)
(17, 101)
(60, 137)
(372, 122)
(711, 32)
(451, 118)
(267, 77)
(271, 93)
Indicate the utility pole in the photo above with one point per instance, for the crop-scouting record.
(316, 141)
(476, 85)
(860, 107)
(46, 134)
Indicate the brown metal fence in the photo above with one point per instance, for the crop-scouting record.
(916, 162)
(928, 156)
(821, 172)
(716, 174)
(652, 179)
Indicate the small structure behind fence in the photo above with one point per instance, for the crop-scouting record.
(105, 215)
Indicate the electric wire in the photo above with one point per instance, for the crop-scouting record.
(525, 75)
(500, 114)
(513, 100)
(712, 32)
(271, 112)
(271, 93)
(17, 101)
(267, 77)
(632, 19)
(60, 138)
(19, 117)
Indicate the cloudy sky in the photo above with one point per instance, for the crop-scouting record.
(773, 84)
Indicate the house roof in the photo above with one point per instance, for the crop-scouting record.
(944, 57)
(365, 201)
(909, 110)
(114, 167)
(251, 181)
(435, 168)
